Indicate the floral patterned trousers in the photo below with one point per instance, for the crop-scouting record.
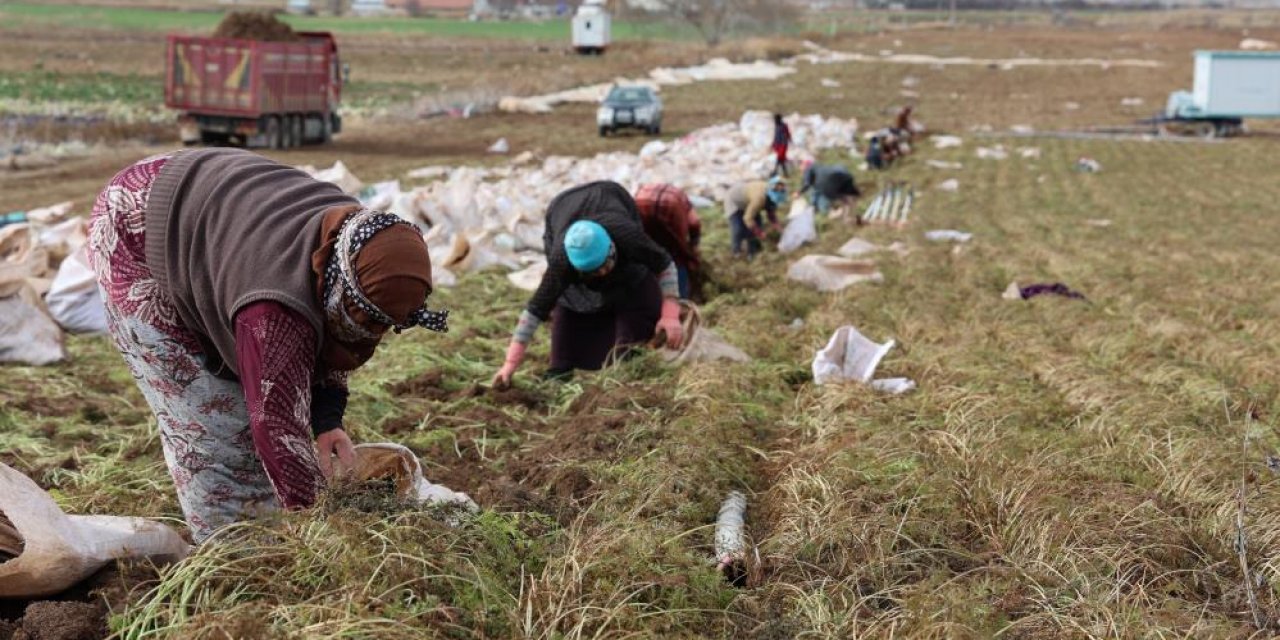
(203, 420)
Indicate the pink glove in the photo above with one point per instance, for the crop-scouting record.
(669, 323)
(515, 355)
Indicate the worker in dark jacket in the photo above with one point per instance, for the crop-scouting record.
(832, 185)
(607, 285)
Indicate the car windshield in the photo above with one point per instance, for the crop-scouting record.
(628, 95)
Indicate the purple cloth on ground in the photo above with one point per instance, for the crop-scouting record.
(1057, 288)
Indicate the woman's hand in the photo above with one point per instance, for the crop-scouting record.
(515, 355)
(335, 442)
(669, 324)
(502, 379)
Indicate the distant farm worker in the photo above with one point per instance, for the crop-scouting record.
(902, 125)
(746, 205)
(241, 293)
(830, 185)
(781, 142)
(608, 286)
(875, 154)
(670, 219)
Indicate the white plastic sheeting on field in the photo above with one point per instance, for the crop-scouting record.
(478, 218)
(715, 69)
(820, 55)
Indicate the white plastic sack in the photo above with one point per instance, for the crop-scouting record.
(800, 227)
(380, 195)
(21, 258)
(341, 176)
(848, 356)
(59, 550)
(74, 299)
(501, 147)
(28, 334)
(832, 273)
(63, 238)
(893, 386)
(1254, 44)
(947, 235)
(992, 153)
(730, 537)
(943, 164)
(946, 142)
(701, 344)
(1029, 153)
(950, 186)
(52, 214)
(857, 247)
(529, 277)
(387, 459)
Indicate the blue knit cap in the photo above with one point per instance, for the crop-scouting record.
(587, 244)
(778, 197)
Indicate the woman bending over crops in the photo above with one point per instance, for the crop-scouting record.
(607, 284)
(241, 292)
(669, 218)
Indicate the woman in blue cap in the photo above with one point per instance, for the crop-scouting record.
(607, 285)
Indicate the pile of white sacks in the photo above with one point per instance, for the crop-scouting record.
(480, 218)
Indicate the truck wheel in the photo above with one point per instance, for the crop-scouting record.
(299, 132)
(326, 130)
(292, 133)
(275, 133)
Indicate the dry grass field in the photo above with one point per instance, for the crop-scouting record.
(1065, 469)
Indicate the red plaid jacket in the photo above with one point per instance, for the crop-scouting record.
(669, 218)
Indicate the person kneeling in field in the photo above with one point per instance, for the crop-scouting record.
(241, 292)
(608, 285)
(832, 186)
(669, 218)
(746, 204)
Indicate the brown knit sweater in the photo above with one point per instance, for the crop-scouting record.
(226, 228)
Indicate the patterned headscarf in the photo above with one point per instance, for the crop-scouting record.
(340, 282)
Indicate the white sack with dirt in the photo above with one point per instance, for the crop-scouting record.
(56, 550)
(701, 343)
(28, 334)
(833, 273)
(848, 357)
(800, 229)
(74, 299)
(390, 460)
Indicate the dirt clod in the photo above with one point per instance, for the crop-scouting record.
(254, 25)
(64, 621)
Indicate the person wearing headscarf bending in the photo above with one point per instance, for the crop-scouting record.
(241, 293)
(608, 286)
(670, 219)
(745, 206)
(829, 185)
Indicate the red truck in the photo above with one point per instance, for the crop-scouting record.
(255, 93)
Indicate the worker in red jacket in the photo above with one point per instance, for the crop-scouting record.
(670, 219)
(781, 142)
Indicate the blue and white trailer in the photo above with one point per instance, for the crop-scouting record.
(1229, 87)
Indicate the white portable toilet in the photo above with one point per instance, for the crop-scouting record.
(591, 27)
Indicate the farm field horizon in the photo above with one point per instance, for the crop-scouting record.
(1063, 469)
